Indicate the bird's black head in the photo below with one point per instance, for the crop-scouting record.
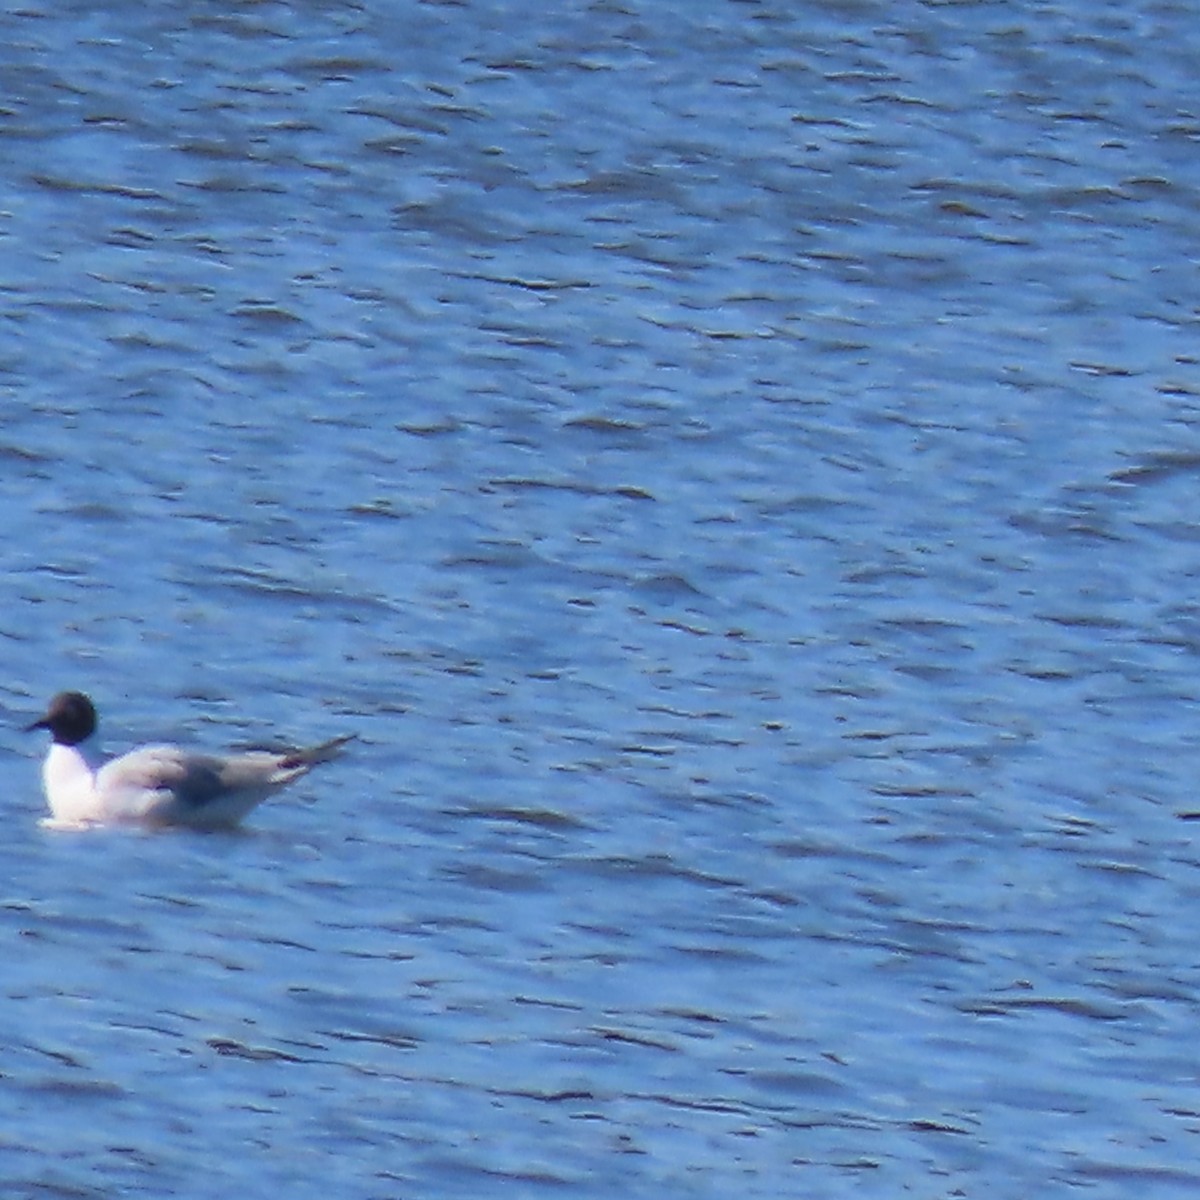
(70, 718)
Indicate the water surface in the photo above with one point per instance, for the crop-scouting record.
(733, 465)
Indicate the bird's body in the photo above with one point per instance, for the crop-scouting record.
(158, 785)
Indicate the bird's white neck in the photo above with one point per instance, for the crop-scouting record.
(69, 777)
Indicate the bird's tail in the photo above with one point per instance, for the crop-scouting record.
(310, 756)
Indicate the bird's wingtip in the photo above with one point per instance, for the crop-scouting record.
(322, 752)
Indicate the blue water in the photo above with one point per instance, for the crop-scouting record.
(734, 465)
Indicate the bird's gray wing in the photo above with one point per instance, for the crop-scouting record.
(190, 779)
(168, 785)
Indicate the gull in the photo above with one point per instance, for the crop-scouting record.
(158, 785)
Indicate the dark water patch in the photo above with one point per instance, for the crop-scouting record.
(232, 1048)
(634, 870)
(387, 1040)
(538, 818)
(60, 183)
(929, 1125)
(623, 491)
(265, 585)
(21, 454)
(76, 1090)
(1067, 1006)
(1130, 1175)
(1122, 870)
(1159, 467)
(794, 1083)
(917, 790)
(619, 428)
(722, 953)
(628, 1037)
(567, 1096)
(693, 1017)
(497, 879)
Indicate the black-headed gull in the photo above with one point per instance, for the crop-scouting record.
(158, 785)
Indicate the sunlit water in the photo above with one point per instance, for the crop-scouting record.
(734, 465)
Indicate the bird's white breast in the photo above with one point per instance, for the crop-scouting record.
(70, 783)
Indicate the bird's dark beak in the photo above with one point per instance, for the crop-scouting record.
(40, 723)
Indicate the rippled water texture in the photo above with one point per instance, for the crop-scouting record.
(734, 465)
